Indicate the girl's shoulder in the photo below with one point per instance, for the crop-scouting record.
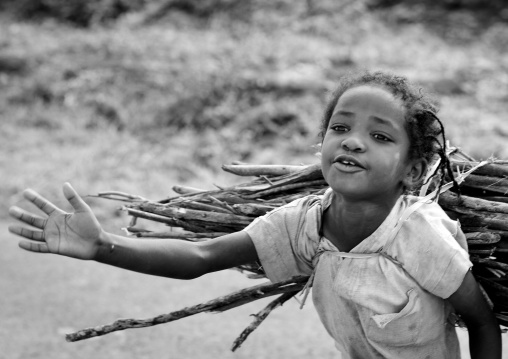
(300, 215)
(431, 216)
(302, 205)
(428, 233)
(287, 238)
(431, 248)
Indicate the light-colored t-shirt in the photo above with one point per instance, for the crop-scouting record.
(386, 297)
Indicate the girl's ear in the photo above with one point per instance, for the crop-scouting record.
(416, 173)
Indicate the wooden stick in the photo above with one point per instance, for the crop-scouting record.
(309, 173)
(190, 214)
(451, 200)
(495, 169)
(252, 209)
(288, 187)
(162, 219)
(222, 204)
(486, 296)
(474, 238)
(260, 317)
(482, 219)
(503, 234)
(253, 293)
(502, 199)
(234, 194)
(498, 291)
(187, 190)
(188, 194)
(489, 263)
(202, 206)
(482, 252)
(261, 170)
(493, 184)
(174, 234)
(168, 235)
(458, 155)
(134, 230)
(116, 195)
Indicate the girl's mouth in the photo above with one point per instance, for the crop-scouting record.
(348, 161)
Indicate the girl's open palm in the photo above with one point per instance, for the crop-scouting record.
(70, 234)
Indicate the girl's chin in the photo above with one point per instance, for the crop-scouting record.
(354, 192)
(346, 190)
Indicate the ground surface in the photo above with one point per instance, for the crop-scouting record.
(45, 297)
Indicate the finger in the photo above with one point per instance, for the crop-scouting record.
(27, 233)
(27, 217)
(74, 199)
(41, 202)
(34, 246)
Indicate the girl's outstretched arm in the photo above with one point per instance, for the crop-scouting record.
(79, 235)
(484, 332)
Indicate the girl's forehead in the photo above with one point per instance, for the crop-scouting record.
(375, 99)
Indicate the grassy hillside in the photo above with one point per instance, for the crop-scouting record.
(164, 96)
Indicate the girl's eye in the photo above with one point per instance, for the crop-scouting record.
(381, 137)
(339, 128)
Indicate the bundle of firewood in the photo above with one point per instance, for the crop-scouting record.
(198, 215)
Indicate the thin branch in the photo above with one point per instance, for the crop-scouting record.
(217, 305)
(260, 317)
(259, 170)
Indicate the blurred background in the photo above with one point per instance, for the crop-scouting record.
(138, 96)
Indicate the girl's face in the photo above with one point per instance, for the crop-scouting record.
(365, 149)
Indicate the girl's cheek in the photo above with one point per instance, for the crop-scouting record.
(394, 163)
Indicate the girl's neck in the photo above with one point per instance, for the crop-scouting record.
(347, 223)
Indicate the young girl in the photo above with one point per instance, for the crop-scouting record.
(388, 269)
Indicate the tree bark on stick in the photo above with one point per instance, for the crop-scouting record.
(260, 317)
(162, 219)
(483, 219)
(187, 190)
(475, 238)
(503, 234)
(192, 214)
(310, 173)
(288, 187)
(203, 207)
(492, 184)
(252, 209)
(491, 169)
(497, 291)
(174, 234)
(490, 263)
(261, 170)
(219, 304)
(451, 200)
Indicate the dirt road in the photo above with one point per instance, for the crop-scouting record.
(42, 297)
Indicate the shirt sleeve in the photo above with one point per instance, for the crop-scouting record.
(286, 238)
(430, 248)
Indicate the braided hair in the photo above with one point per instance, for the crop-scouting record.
(425, 130)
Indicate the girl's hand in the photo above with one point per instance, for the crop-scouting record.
(76, 235)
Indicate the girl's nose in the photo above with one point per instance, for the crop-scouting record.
(354, 144)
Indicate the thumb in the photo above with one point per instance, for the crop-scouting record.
(74, 199)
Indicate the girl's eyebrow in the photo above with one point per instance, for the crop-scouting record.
(379, 120)
(382, 121)
(343, 113)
